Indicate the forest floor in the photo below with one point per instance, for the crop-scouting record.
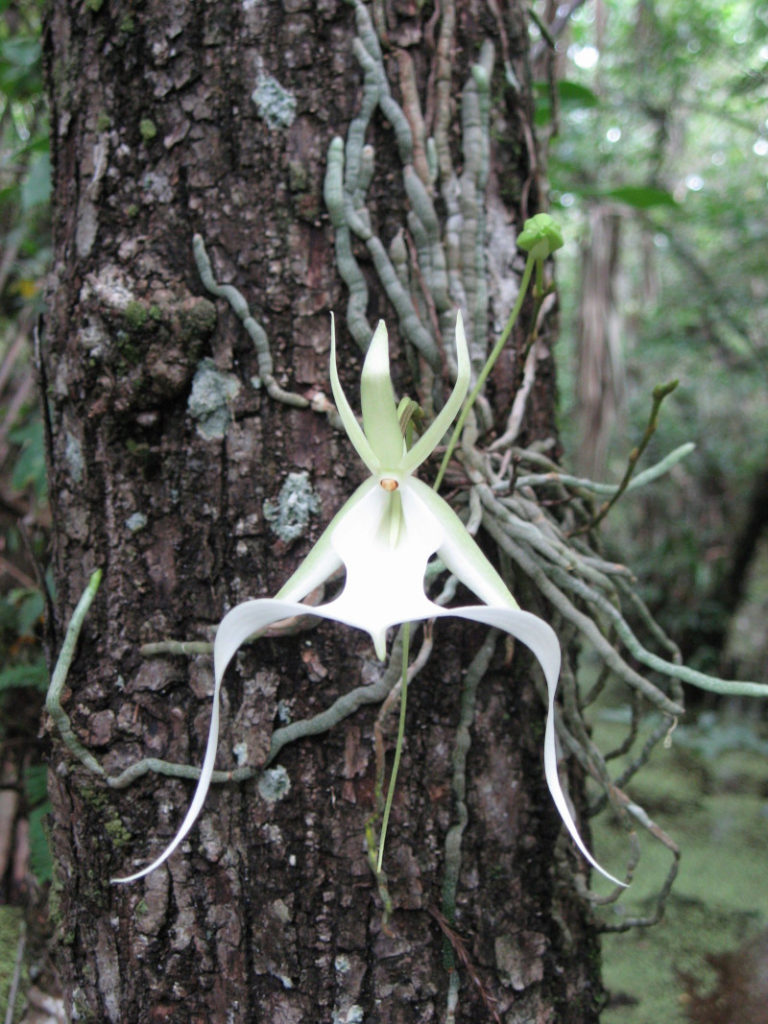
(707, 960)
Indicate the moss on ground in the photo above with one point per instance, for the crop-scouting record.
(712, 800)
(10, 931)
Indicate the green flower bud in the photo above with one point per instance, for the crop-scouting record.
(541, 235)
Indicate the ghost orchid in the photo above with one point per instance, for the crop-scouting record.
(383, 537)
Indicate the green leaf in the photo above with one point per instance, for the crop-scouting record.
(570, 96)
(34, 675)
(641, 197)
(19, 52)
(36, 784)
(574, 94)
(753, 80)
(29, 470)
(20, 75)
(30, 611)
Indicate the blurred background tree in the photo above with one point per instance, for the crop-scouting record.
(658, 166)
(25, 251)
(24, 259)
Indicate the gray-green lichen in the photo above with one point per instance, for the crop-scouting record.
(289, 517)
(136, 522)
(73, 453)
(209, 401)
(280, 910)
(275, 104)
(274, 784)
(352, 1015)
(519, 958)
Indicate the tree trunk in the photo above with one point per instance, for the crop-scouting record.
(193, 485)
(600, 362)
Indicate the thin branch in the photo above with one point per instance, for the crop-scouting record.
(660, 392)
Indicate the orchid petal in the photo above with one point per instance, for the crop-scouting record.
(234, 629)
(385, 580)
(322, 561)
(433, 435)
(539, 637)
(354, 431)
(457, 549)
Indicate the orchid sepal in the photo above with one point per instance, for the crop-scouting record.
(381, 424)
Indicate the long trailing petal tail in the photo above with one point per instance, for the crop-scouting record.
(542, 641)
(235, 628)
(252, 617)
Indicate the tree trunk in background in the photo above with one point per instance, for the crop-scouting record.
(705, 640)
(171, 117)
(600, 358)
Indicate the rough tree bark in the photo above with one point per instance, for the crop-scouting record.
(171, 117)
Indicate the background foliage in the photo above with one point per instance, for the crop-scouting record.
(24, 258)
(658, 167)
(662, 126)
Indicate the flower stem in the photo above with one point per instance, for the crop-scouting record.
(398, 744)
(531, 262)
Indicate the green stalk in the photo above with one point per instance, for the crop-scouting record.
(530, 263)
(398, 744)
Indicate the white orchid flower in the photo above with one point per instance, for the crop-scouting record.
(383, 537)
